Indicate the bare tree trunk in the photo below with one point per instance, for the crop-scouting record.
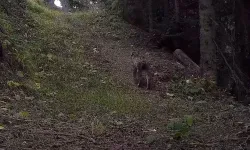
(242, 22)
(177, 10)
(166, 10)
(241, 55)
(150, 16)
(207, 34)
(124, 7)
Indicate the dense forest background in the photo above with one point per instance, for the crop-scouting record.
(227, 21)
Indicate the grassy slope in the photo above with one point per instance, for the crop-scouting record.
(54, 78)
(54, 55)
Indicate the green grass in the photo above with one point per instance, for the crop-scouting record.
(38, 8)
(54, 57)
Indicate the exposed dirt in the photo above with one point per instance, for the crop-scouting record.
(116, 51)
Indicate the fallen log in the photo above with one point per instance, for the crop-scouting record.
(186, 61)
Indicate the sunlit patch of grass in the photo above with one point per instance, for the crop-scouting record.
(75, 89)
(37, 7)
(119, 100)
(84, 15)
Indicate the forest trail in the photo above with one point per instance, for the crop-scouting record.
(116, 52)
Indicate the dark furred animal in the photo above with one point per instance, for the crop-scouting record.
(140, 68)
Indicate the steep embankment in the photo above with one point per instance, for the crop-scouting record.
(67, 85)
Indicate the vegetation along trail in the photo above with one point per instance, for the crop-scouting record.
(66, 82)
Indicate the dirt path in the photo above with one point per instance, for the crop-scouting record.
(117, 53)
(118, 56)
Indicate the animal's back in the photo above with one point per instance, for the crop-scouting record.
(139, 62)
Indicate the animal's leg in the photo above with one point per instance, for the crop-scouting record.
(135, 75)
(139, 74)
(148, 84)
